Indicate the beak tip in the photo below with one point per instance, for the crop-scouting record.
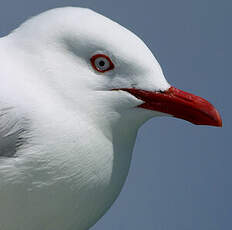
(219, 120)
(216, 119)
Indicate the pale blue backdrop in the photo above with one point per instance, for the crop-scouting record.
(180, 178)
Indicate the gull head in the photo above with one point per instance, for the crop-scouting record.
(103, 69)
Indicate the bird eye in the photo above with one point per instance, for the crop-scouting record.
(101, 63)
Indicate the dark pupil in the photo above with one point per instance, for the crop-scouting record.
(101, 63)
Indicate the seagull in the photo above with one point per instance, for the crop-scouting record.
(75, 88)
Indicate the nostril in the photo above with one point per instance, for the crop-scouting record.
(133, 85)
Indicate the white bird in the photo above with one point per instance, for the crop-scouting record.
(75, 88)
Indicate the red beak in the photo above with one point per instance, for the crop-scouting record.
(179, 104)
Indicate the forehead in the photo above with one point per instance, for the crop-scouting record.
(99, 32)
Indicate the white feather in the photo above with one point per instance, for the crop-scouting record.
(79, 135)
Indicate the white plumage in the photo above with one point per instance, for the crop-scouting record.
(67, 127)
(69, 136)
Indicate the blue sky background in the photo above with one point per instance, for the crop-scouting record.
(181, 174)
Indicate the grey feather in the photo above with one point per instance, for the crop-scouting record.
(11, 132)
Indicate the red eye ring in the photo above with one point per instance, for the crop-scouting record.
(101, 63)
